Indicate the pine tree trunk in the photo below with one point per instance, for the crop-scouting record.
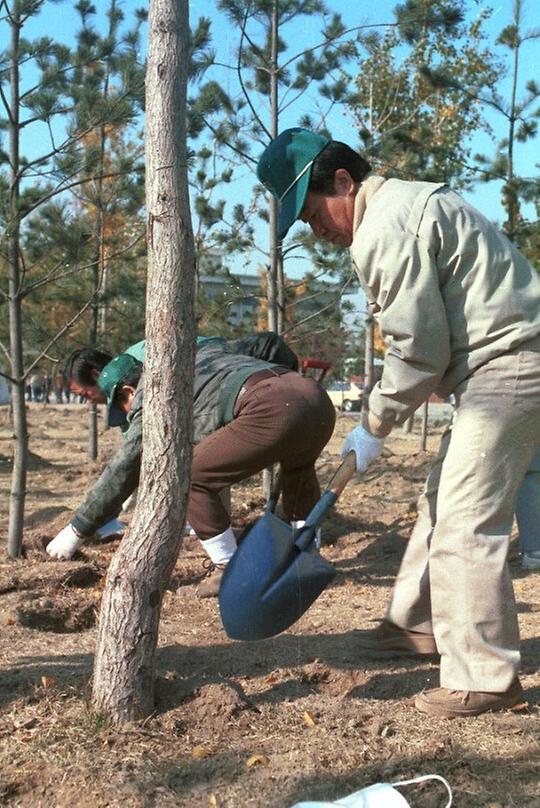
(92, 449)
(128, 630)
(20, 448)
(275, 244)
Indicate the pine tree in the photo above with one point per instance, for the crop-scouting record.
(271, 81)
(521, 119)
(413, 120)
(123, 675)
(34, 192)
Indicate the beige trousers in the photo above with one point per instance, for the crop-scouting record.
(454, 578)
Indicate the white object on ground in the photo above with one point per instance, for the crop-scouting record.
(65, 544)
(366, 447)
(379, 795)
(222, 547)
(112, 528)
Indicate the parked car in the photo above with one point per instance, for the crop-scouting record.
(346, 396)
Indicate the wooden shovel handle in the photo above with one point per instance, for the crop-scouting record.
(275, 493)
(343, 474)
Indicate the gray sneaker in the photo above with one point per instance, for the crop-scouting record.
(531, 561)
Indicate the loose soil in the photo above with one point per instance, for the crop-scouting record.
(266, 724)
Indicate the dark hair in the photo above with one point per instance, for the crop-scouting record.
(336, 155)
(133, 376)
(81, 364)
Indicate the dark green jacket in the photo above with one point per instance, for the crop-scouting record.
(221, 368)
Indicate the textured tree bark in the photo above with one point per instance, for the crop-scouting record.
(20, 431)
(128, 630)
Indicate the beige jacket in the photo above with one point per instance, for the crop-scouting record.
(449, 290)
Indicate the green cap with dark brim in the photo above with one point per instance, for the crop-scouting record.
(108, 380)
(285, 169)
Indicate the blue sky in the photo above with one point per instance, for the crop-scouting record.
(61, 21)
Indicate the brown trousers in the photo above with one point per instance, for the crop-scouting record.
(285, 419)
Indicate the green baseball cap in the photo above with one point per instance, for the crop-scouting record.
(108, 380)
(285, 169)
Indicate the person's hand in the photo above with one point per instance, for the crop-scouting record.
(65, 544)
(366, 447)
(112, 528)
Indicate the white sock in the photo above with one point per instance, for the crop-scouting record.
(296, 524)
(222, 547)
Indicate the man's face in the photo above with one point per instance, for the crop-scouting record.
(331, 217)
(91, 392)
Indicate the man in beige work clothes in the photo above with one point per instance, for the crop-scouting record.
(460, 307)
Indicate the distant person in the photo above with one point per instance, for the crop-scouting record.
(46, 388)
(528, 516)
(59, 387)
(248, 414)
(461, 306)
(36, 383)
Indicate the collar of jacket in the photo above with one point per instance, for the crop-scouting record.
(368, 188)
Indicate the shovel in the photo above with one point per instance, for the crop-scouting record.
(277, 572)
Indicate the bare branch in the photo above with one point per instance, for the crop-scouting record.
(6, 105)
(335, 39)
(63, 331)
(5, 350)
(330, 305)
(52, 278)
(230, 145)
(241, 80)
(59, 189)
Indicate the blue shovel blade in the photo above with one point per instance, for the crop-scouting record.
(269, 583)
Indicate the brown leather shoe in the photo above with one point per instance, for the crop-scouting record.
(389, 639)
(209, 587)
(445, 703)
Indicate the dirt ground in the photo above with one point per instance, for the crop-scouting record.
(265, 724)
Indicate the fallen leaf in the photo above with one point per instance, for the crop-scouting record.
(48, 681)
(258, 760)
(521, 707)
(212, 801)
(200, 752)
(309, 720)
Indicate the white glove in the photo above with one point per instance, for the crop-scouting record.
(112, 528)
(65, 544)
(366, 447)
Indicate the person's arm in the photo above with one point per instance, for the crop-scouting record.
(399, 273)
(119, 479)
(402, 275)
(103, 503)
